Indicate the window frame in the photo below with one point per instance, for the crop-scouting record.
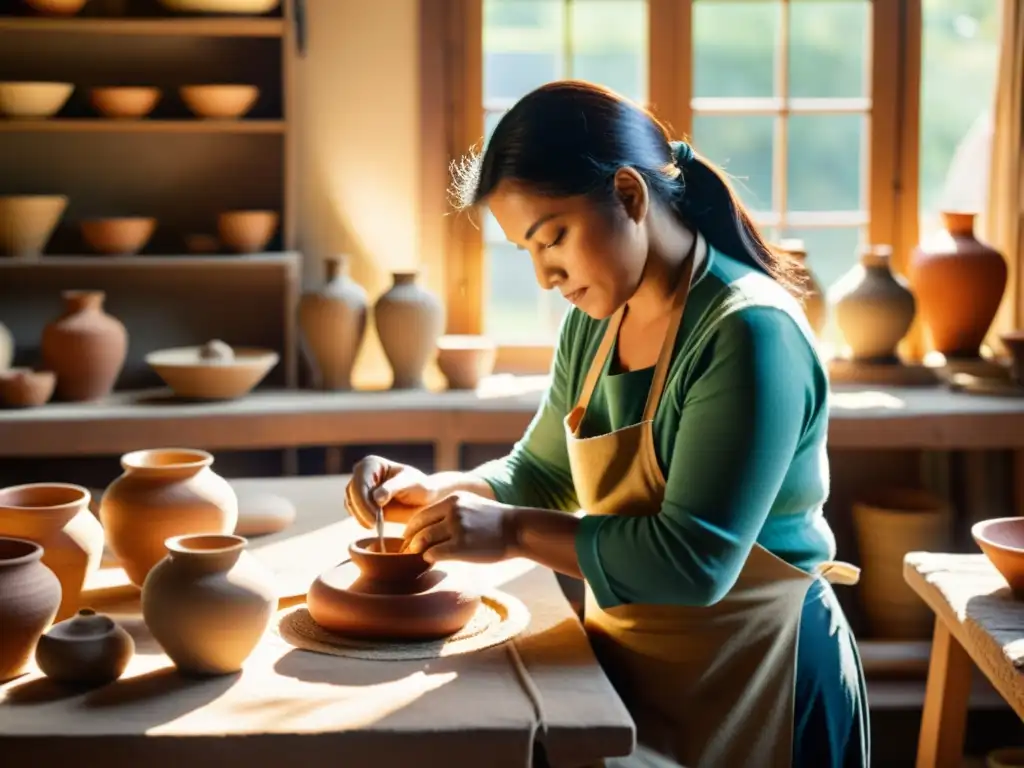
(451, 59)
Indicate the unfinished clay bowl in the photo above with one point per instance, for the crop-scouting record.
(124, 103)
(121, 236)
(87, 649)
(56, 7)
(390, 595)
(33, 101)
(1014, 343)
(204, 373)
(27, 223)
(1002, 541)
(25, 388)
(240, 7)
(465, 360)
(246, 231)
(219, 102)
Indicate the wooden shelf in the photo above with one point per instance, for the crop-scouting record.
(154, 262)
(102, 125)
(182, 27)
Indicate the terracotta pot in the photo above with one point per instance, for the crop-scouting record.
(85, 347)
(88, 649)
(6, 348)
(30, 596)
(246, 231)
(57, 7)
(27, 223)
(1002, 541)
(220, 102)
(874, 307)
(1014, 343)
(409, 321)
(25, 388)
(812, 299)
(190, 373)
(333, 322)
(124, 236)
(124, 103)
(163, 492)
(208, 603)
(390, 595)
(890, 524)
(33, 100)
(56, 516)
(465, 360)
(959, 283)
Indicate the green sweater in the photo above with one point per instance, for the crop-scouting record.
(740, 436)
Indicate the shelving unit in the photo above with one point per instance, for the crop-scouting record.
(101, 125)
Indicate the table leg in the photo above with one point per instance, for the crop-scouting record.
(941, 741)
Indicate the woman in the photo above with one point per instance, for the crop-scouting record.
(686, 419)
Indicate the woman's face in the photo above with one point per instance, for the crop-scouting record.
(593, 255)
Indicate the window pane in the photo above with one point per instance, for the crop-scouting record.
(831, 251)
(522, 46)
(734, 48)
(518, 311)
(960, 50)
(826, 158)
(828, 48)
(609, 44)
(742, 146)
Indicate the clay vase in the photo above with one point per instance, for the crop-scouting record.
(208, 603)
(409, 321)
(88, 649)
(333, 322)
(812, 298)
(56, 516)
(959, 283)
(85, 347)
(163, 492)
(6, 348)
(874, 307)
(29, 597)
(389, 595)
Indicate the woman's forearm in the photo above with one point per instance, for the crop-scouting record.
(547, 537)
(453, 482)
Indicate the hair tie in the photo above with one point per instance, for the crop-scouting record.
(682, 153)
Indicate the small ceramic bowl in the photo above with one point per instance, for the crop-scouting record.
(390, 565)
(25, 388)
(219, 102)
(465, 360)
(124, 103)
(124, 236)
(246, 231)
(31, 100)
(192, 372)
(1002, 541)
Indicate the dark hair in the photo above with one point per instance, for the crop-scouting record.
(569, 138)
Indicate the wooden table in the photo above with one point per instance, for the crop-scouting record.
(294, 707)
(977, 623)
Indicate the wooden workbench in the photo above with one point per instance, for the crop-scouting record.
(293, 707)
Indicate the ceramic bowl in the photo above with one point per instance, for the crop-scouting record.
(124, 103)
(240, 7)
(219, 102)
(27, 222)
(30, 100)
(57, 7)
(122, 236)
(389, 565)
(25, 388)
(1002, 541)
(192, 375)
(465, 360)
(246, 231)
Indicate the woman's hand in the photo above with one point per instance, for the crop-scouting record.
(400, 490)
(463, 526)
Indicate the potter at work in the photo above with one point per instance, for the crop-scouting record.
(685, 426)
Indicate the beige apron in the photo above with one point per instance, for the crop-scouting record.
(708, 687)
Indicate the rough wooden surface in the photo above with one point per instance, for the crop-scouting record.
(293, 707)
(972, 599)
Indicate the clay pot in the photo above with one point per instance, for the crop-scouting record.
(33, 101)
(246, 231)
(874, 307)
(220, 102)
(465, 360)
(191, 373)
(1014, 343)
(56, 516)
(959, 283)
(812, 298)
(27, 223)
(1002, 541)
(29, 597)
(57, 7)
(163, 492)
(6, 348)
(25, 388)
(88, 649)
(85, 347)
(208, 603)
(124, 103)
(333, 322)
(409, 320)
(124, 236)
(390, 595)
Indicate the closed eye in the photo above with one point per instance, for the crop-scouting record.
(558, 238)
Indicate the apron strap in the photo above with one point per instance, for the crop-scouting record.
(597, 365)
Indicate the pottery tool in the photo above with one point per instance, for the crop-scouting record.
(380, 529)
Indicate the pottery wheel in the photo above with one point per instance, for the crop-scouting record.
(499, 618)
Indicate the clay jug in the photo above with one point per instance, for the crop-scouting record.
(163, 492)
(88, 649)
(333, 322)
(409, 322)
(56, 516)
(874, 307)
(6, 348)
(85, 347)
(208, 603)
(812, 298)
(959, 282)
(29, 597)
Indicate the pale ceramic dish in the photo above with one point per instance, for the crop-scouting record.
(239, 7)
(27, 222)
(193, 372)
(33, 101)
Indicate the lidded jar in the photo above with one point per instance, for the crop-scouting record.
(87, 649)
